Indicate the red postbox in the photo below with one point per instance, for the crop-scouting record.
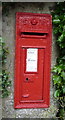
(32, 60)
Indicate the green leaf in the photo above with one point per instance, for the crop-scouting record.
(56, 21)
(5, 93)
(62, 113)
(8, 83)
(55, 31)
(60, 38)
(64, 28)
(56, 94)
(63, 74)
(58, 68)
(57, 79)
(55, 69)
(63, 88)
(63, 57)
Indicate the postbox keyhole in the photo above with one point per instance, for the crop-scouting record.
(26, 79)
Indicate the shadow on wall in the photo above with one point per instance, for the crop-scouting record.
(39, 7)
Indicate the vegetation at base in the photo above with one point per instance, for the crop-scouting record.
(59, 69)
(4, 75)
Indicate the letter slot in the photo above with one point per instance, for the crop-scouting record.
(33, 34)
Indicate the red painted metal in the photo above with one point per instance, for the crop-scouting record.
(32, 88)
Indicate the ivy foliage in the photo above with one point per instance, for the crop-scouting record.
(4, 75)
(59, 68)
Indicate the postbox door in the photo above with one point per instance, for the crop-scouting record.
(32, 74)
(32, 60)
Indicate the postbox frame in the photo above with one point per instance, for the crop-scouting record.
(46, 89)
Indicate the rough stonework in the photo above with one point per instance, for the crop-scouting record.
(8, 110)
(0, 56)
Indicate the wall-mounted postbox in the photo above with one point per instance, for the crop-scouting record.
(32, 60)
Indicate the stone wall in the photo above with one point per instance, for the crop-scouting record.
(8, 26)
(0, 55)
